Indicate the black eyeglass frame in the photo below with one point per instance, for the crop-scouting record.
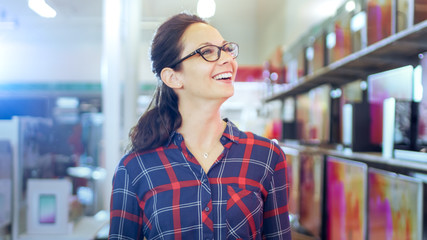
(198, 51)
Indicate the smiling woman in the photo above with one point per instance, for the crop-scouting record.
(189, 174)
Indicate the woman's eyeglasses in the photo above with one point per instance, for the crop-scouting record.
(212, 53)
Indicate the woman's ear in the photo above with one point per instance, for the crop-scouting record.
(170, 78)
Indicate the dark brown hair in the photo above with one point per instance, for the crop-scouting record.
(162, 116)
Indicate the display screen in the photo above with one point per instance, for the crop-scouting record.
(379, 20)
(313, 115)
(342, 35)
(395, 206)
(346, 196)
(293, 180)
(311, 192)
(420, 13)
(303, 116)
(397, 83)
(402, 16)
(47, 208)
(319, 52)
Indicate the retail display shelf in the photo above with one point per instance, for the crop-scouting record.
(374, 157)
(395, 51)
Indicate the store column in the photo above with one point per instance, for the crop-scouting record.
(119, 81)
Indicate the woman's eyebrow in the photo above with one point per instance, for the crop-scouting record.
(209, 43)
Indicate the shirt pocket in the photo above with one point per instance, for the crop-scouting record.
(244, 213)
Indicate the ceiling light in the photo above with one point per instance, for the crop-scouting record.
(350, 6)
(42, 8)
(206, 8)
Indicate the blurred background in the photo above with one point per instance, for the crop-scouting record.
(76, 75)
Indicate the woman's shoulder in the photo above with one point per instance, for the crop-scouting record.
(134, 158)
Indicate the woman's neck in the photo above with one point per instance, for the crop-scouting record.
(202, 125)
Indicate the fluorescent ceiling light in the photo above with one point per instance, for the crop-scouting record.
(206, 8)
(42, 8)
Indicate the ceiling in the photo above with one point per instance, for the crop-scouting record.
(258, 25)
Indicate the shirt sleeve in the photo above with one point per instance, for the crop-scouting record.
(276, 217)
(125, 213)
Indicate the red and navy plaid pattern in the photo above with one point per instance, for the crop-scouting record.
(165, 193)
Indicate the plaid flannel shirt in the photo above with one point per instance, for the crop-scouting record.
(165, 194)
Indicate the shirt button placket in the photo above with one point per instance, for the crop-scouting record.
(206, 199)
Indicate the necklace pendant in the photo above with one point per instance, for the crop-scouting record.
(205, 155)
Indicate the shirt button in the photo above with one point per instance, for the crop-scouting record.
(207, 209)
(223, 138)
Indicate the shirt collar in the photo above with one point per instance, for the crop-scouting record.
(231, 131)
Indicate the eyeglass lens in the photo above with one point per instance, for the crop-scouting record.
(212, 53)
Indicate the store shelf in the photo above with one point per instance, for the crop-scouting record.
(395, 51)
(374, 157)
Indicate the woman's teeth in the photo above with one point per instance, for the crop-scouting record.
(222, 76)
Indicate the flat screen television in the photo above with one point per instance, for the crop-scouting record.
(358, 22)
(315, 49)
(313, 115)
(395, 206)
(311, 192)
(342, 30)
(6, 161)
(404, 15)
(410, 12)
(420, 11)
(302, 116)
(293, 170)
(380, 20)
(346, 199)
(396, 83)
(320, 106)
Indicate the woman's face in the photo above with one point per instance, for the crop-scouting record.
(200, 78)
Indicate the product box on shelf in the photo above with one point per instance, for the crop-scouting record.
(294, 62)
(313, 115)
(409, 13)
(354, 121)
(358, 25)
(289, 120)
(381, 19)
(346, 30)
(338, 40)
(356, 128)
(315, 49)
